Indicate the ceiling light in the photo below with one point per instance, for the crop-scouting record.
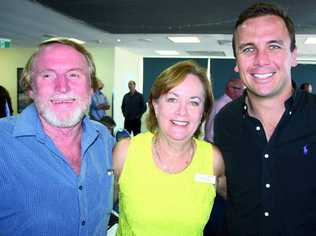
(224, 42)
(49, 35)
(310, 40)
(184, 39)
(167, 52)
(146, 40)
(118, 40)
(207, 53)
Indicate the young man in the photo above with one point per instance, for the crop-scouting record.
(56, 169)
(268, 136)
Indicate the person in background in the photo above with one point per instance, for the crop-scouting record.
(307, 87)
(233, 90)
(268, 136)
(99, 102)
(133, 107)
(166, 176)
(109, 123)
(56, 165)
(5, 103)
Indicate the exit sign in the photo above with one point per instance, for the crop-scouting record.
(5, 43)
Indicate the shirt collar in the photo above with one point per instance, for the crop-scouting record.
(290, 104)
(29, 124)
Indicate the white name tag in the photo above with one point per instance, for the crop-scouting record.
(209, 179)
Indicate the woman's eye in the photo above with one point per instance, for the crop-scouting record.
(195, 103)
(171, 100)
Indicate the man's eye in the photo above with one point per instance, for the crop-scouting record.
(274, 46)
(73, 75)
(48, 75)
(248, 50)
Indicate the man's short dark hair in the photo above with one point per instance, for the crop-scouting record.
(264, 9)
(304, 85)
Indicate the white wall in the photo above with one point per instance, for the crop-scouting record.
(127, 66)
(10, 60)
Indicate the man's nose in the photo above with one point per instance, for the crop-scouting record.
(262, 58)
(62, 84)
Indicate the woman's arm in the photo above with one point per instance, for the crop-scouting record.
(219, 172)
(119, 156)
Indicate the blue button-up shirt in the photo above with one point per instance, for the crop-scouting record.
(40, 194)
(97, 99)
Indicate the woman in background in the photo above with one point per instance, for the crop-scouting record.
(166, 176)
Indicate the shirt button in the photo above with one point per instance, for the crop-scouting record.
(245, 107)
(266, 156)
(266, 213)
(290, 112)
(80, 187)
(268, 185)
(83, 222)
(258, 128)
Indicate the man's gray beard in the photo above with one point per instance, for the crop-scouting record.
(70, 121)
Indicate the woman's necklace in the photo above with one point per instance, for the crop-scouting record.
(178, 164)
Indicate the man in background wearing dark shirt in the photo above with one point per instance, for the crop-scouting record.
(133, 107)
(5, 103)
(268, 136)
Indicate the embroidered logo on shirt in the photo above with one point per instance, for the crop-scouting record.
(305, 149)
(203, 178)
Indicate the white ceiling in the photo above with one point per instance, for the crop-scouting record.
(27, 23)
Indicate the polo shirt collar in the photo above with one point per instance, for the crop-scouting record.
(29, 124)
(291, 103)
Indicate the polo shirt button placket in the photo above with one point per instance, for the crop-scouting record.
(80, 188)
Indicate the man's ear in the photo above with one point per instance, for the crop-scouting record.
(294, 58)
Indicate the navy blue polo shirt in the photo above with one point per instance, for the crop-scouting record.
(271, 184)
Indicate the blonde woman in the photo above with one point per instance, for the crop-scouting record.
(166, 176)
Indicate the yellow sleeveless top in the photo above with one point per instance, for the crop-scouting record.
(155, 203)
